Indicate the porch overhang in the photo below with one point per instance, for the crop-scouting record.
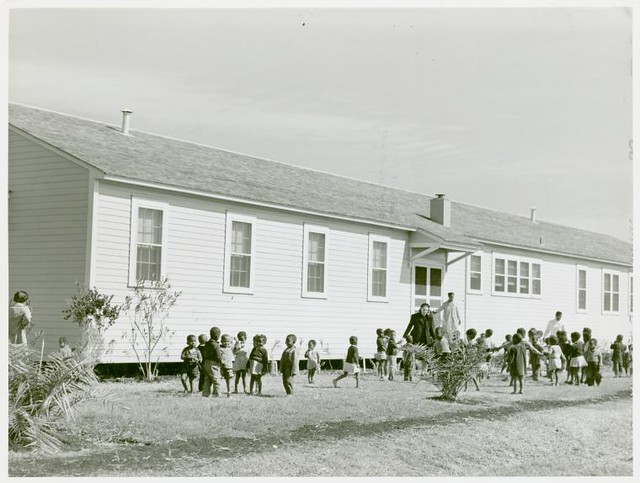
(424, 243)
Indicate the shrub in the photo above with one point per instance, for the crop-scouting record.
(151, 304)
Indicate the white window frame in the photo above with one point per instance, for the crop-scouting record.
(307, 230)
(518, 260)
(382, 239)
(469, 272)
(227, 287)
(611, 273)
(578, 289)
(136, 204)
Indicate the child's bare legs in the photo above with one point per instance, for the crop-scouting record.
(183, 380)
(310, 374)
(259, 383)
(554, 377)
(390, 367)
(357, 381)
(251, 383)
(520, 383)
(341, 376)
(228, 381)
(243, 375)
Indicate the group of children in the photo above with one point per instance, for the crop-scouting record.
(222, 357)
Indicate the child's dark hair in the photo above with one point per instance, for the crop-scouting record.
(619, 338)
(387, 331)
(292, 337)
(561, 333)
(62, 339)
(379, 332)
(263, 338)
(20, 297)
(225, 337)
(488, 333)
(471, 333)
(409, 339)
(517, 338)
(311, 343)
(593, 341)
(214, 332)
(522, 331)
(553, 340)
(353, 340)
(508, 337)
(191, 337)
(575, 336)
(242, 335)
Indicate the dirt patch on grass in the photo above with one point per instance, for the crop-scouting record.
(123, 454)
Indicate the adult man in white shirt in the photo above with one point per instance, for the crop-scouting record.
(449, 316)
(553, 326)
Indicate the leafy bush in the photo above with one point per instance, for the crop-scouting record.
(151, 304)
(90, 306)
(454, 371)
(41, 399)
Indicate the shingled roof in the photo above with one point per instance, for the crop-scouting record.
(189, 166)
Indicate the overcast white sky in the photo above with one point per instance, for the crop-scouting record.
(505, 109)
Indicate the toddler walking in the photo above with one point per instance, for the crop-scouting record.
(258, 363)
(191, 360)
(351, 364)
(226, 361)
(289, 363)
(556, 359)
(313, 360)
(381, 353)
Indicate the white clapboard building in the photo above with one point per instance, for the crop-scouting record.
(267, 247)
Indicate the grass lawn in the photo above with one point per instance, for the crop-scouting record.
(390, 428)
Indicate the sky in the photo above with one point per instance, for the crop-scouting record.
(505, 109)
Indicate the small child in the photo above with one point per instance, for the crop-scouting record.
(565, 345)
(289, 363)
(352, 362)
(593, 356)
(441, 345)
(577, 358)
(65, 350)
(618, 349)
(392, 352)
(556, 359)
(202, 343)
(226, 361)
(627, 359)
(313, 360)
(517, 361)
(381, 353)
(408, 359)
(191, 360)
(258, 364)
(241, 361)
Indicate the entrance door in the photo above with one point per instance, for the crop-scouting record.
(427, 286)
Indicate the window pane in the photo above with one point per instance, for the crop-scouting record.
(607, 301)
(421, 281)
(379, 255)
(582, 279)
(241, 238)
(535, 268)
(379, 287)
(524, 285)
(524, 269)
(500, 266)
(607, 282)
(476, 263)
(616, 281)
(148, 263)
(436, 282)
(474, 282)
(582, 300)
(535, 287)
(499, 283)
(512, 267)
(240, 274)
(616, 302)
(512, 283)
(315, 278)
(149, 226)
(316, 247)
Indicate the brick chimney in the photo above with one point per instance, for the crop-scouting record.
(533, 215)
(440, 210)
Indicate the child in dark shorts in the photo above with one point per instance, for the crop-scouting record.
(191, 359)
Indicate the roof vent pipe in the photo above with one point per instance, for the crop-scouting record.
(533, 215)
(126, 114)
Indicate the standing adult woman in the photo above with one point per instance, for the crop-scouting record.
(19, 318)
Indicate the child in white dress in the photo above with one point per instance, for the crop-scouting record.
(241, 361)
(556, 359)
(313, 360)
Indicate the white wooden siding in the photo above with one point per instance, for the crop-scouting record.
(195, 260)
(47, 233)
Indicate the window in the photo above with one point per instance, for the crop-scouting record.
(581, 287)
(475, 273)
(610, 292)
(314, 261)
(516, 276)
(147, 251)
(239, 250)
(378, 265)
